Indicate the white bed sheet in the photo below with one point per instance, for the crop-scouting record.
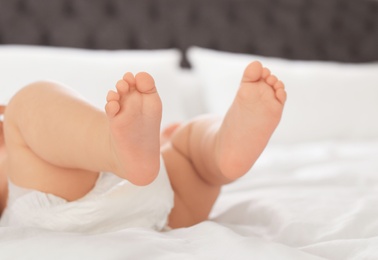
(300, 201)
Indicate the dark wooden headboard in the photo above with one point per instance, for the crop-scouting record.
(339, 30)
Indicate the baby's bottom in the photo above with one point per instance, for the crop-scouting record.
(57, 143)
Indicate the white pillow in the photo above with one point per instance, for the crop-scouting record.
(326, 100)
(91, 72)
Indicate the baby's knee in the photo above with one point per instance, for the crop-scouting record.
(32, 94)
(35, 89)
(25, 99)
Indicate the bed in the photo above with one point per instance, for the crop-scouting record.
(313, 194)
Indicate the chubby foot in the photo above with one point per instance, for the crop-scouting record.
(250, 121)
(134, 113)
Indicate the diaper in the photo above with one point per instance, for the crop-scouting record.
(113, 204)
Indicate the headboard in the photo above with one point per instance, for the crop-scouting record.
(339, 30)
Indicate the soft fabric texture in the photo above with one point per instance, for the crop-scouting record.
(326, 100)
(91, 73)
(301, 201)
(113, 204)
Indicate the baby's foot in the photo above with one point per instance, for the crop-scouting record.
(250, 121)
(134, 113)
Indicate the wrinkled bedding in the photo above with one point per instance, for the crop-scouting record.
(300, 201)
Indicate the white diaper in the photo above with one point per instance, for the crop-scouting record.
(112, 204)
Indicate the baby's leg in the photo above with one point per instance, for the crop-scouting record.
(56, 142)
(134, 113)
(217, 151)
(246, 128)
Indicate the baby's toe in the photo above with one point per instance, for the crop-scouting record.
(112, 95)
(129, 78)
(112, 108)
(145, 83)
(265, 73)
(271, 80)
(281, 95)
(252, 72)
(122, 87)
(279, 84)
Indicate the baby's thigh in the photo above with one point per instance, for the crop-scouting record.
(25, 169)
(28, 170)
(23, 165)
(194, 197)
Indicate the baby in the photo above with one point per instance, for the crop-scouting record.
(65, 156)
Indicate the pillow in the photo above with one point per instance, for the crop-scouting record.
(326, 100)
(91, 72)
(191, 93)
